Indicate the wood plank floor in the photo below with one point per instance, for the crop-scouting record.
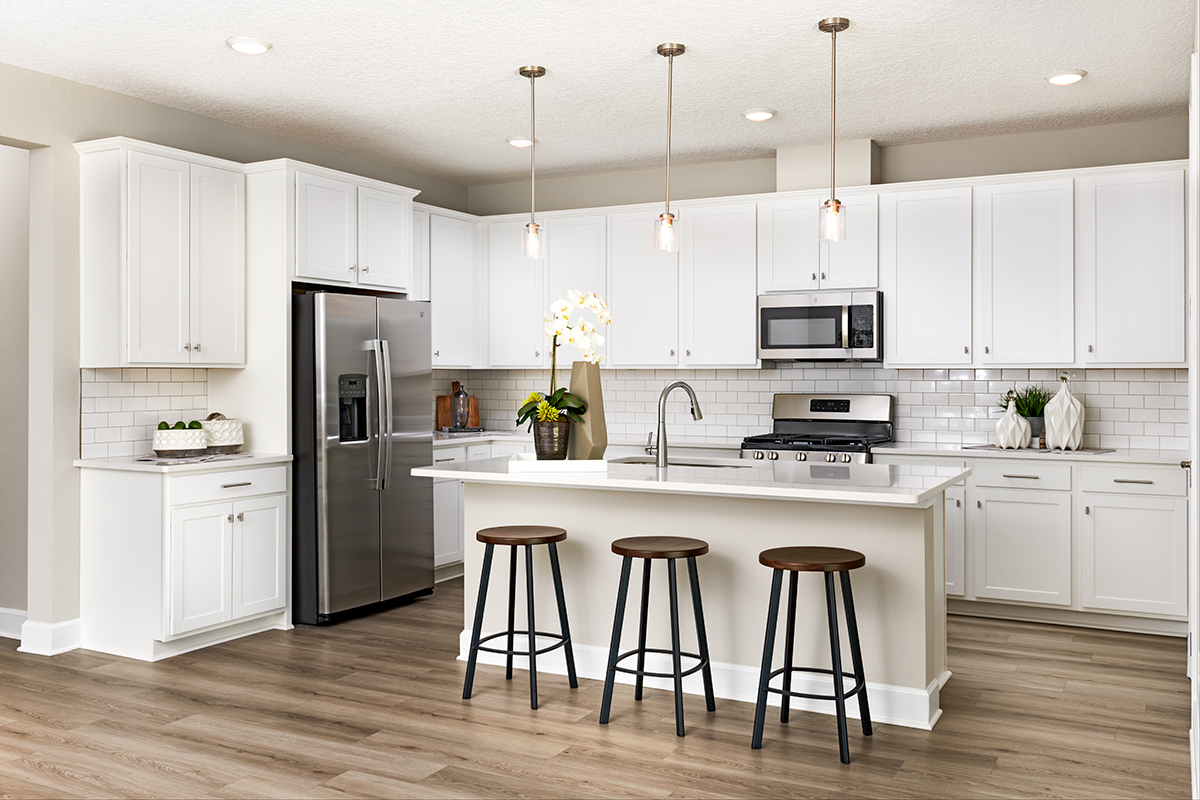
(372, 708)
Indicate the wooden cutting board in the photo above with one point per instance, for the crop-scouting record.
(443, 411)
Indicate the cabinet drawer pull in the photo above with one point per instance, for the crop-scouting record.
(1024, 477)
(958, 503)
(814, 276)
(979, 504)
(230, 518)
(196, 347)
(234, 485)
(1087, 509)
(442, 460)
(1130, 480)
(241, 517)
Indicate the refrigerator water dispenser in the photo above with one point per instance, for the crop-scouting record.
(352, 408)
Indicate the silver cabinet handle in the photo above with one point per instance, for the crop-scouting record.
(979, 504)
(234, 485)
(1129, 480)
(442, 460)
(822, 276)
(1024, 477)
(958, 503)
(367, 268)
(1087, 509)
(187, 346)
(437, 353)
(814, 276)
(672, 352)
(986, 350)
(689, 352)
(353, 267)
(537, 353)
(241, 517)
(197, 347)
(229, 518)
(966, 349)
(1089, 348)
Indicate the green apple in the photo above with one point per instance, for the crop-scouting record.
(179, 426)
(164, 426)
(195, 424)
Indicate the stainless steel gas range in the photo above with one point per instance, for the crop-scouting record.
(835, 428)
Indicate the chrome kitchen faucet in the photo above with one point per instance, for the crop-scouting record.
(660, 458)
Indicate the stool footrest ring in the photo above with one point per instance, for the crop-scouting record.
(504, 651)
(858, 687)
(703, 662)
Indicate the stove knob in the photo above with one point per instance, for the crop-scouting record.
(773, 455)
(758, 455)
(830, 457)
(801, 456)
(845, 457)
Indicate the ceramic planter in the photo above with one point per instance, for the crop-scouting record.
(550, 440)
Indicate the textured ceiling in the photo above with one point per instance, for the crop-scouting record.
(432, 86)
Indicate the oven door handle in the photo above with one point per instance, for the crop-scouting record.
(846, 326)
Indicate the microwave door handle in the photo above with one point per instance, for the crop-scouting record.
(846, 327)
(385, 477)
(380, 411)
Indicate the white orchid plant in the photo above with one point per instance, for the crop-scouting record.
(567, 323)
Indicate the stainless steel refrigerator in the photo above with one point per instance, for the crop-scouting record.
(362, 411)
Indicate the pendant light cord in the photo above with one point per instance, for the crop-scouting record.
(670, 82)
(833, 122)
(532, 151)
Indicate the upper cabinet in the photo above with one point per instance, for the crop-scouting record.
(420, 257)
(719, 298)
(645, 294)
(791, 257)
(1026, 256)
(452, 290)
(516, 304)
(927, 276)
(1131, 248)
(576, 258)
(162, 257)
(385, 239)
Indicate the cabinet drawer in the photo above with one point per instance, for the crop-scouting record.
(229, 485)
(446, 455)
(1022, 474)
(476, 452)
(1114, 479)
(508, 449)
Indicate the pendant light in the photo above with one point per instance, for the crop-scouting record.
(833, 213)
(666, 235)
(531, 239)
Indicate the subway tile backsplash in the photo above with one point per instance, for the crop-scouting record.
(120, 408)
(1123, 408)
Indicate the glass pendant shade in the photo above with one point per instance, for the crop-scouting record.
(666, 235)
(531, 241)
(833, 221)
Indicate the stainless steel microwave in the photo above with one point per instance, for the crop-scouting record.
(822, 326)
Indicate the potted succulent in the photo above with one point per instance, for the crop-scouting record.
(1031, 404)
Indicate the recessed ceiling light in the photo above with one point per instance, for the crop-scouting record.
(519, 141)
(760, 114)
(248, 45)
(1065, 77)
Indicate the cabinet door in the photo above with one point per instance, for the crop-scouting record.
(420, 258)
(452, 290)
(259, 563)
(326, 228)
(956, 527)
(789, 248)
(1134, 554)
(1027, 272)
(1131, 241)
(927, 276)
(719, 285)
(447, 523)
(576, 258)
(159, 251)
(516, 299)
(853, 263)
(645, 294)
(1023, 546)
(384, 239)
(199, 562)
(218, 266)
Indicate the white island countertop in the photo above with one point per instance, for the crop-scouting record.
(909, 486)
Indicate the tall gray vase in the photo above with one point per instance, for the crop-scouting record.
(590, 437)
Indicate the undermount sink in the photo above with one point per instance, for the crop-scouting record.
(730, 463)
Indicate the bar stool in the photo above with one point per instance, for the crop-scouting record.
(650, 548)
(516, 536)
(813, 559)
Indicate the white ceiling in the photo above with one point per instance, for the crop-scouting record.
(432, 86)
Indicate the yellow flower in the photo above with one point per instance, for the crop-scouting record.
(534, 397)
(547, 412)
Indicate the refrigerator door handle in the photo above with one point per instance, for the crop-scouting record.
(385, 477)
(381, 412)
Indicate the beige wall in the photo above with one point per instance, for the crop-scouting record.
(14, 365)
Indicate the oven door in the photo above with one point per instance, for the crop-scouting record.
(838, 326)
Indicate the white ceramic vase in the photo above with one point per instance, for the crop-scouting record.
(1012, 430)
(1064, 420)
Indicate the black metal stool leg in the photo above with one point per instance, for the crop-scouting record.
(701, 635)
(532, 627)
(764, 676)
(835, 649)
(615, 645)
(856, 655)
(562, 616)
(478, 626)
(641, 658)
(789, 646)
(676, 660)
(512, 605)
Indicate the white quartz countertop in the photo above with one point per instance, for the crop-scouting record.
(129, 464)
(902, 485)
(958, 451)
(483, 437)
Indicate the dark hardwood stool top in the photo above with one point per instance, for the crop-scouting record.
(516, 536)
(826, 560)
(650, 548)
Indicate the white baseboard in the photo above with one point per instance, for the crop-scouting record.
(892, 705)
(1066, 616)
(448, 572)
(50, 639)
(11, 621)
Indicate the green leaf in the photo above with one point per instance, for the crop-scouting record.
(573, 416)
(556, 398)
(571, 401)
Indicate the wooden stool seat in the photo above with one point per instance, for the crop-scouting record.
(659, 547)
(516, 535)
(812, 559)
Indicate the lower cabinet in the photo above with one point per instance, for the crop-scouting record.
(956, 532)
(1023, 545)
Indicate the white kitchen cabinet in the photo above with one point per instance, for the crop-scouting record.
(1023, 545)
(956, 529)
(1026, 254)
(719, 298)
(791, 257)
(420, 256)
(1131, 243)
(576, 258)
(927, 277)
(326, 228)
(448, 510)
(645, 294)
(162, 257)
(385, 233)
(260, 567)
(452, 290)
(516, 299)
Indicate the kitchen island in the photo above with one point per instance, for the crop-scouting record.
(891, 513)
